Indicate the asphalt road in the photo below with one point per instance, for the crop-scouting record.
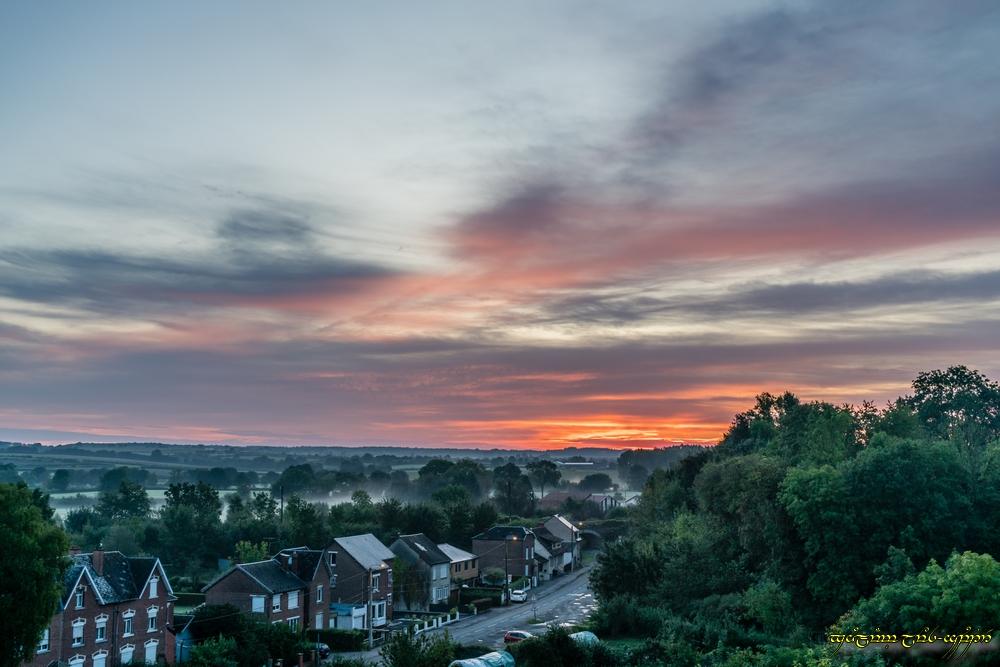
(566, 599)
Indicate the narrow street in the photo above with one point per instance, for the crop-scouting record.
(567, 599)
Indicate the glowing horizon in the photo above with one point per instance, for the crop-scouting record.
(511, 226)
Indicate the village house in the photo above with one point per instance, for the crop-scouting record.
(292, 587)
(569, 536)
(510, 549)
(114, 609)
(364, 582)
(430, 582)
(464, 565)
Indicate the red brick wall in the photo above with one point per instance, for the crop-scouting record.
(61, 629)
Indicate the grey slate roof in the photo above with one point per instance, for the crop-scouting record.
(455, 554)
(272, 576)
(503, 533)
(365, 549)
(121, 579)
(425, 549)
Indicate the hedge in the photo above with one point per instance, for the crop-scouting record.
(342, 640)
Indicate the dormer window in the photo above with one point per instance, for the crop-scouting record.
(331, 558)
(153, 586)
(79, 598)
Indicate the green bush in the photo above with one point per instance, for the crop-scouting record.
(623, 616)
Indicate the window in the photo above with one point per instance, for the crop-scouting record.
(293, 623)
(376, 579)
(151, 623)
(43, 643)
(126, 653)
(101, 633)
(319, 594)
(78, 632)
(276, 602)
(100, 659)
(150, 656)
(257, 604)
(77, 661)
(153, 586)
(127, 630)
(79, 598)
(318, 625)
(332, 558)
(293, 599)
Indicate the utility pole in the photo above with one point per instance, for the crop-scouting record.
(369, 610)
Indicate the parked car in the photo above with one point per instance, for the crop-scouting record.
(322, 650)
(515, 636)
(519, 595)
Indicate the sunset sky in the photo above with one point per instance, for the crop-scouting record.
(492, 224)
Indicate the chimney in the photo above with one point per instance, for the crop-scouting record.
(97, 558)
(74, 550)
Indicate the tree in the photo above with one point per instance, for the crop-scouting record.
(513, 490)
(112, 479)
(957, 403)
(60, 481)
(404, 649)
(250, 552)
(597, 482)
(215, 652)
(544, 473)
(637, 476)
(129, 501)
(961, 594)
(32, 563)
(408, 584)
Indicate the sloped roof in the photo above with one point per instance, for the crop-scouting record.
(540, 550)
(543, 534)
(366, 550)
(425, 549)
(502, 533)
(121, 578)
(272, 576)
(305, 563)
(455, 554)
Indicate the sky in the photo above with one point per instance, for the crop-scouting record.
(513, 225)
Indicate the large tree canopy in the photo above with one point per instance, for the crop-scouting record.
(32, 562)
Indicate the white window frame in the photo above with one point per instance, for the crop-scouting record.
(254, 600)
(43, 642)
(293, 623)
(319, 594)
(79, 639)
(101, 628)
(151, 614)
(376, 581)
(100, 655)
(77, 661)
(276, 602)
(318, 621)
(127, 648)
(293, 599)
(150, 643)
(128, 623)
(153, 588)
(80, 600)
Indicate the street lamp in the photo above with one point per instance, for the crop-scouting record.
(506, 568)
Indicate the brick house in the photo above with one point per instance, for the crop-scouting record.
(115, 610)
(432, 586)
(464, 565)
(292, 587)
(510, 549)
(364, 580)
